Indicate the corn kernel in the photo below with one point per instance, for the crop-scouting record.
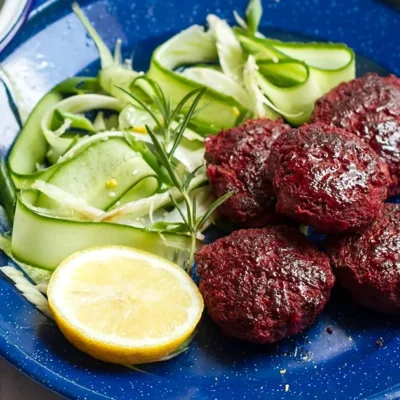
(236, 112)
(111, 183)
(139, 129)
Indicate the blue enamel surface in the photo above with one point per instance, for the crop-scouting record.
(346, 364)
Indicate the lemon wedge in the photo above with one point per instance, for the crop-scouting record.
(123, 305)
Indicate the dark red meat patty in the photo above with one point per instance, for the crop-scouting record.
(369, 107)
(236, 161)
(261, 285)
(328, 178)
(367, 263)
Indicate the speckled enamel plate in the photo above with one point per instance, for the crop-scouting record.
(346, 364)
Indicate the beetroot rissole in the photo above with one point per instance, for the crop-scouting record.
(370, 108)
(237, 161)
(367, 263)
(261, 285)
(327, 178)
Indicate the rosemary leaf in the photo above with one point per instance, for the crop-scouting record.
(211, 209)
(190, 177)
(185, 123)
(181, 104)
(184, 218)
(164, 158)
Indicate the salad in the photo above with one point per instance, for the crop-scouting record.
(118, 159)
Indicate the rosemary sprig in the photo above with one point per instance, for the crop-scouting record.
(164, 151)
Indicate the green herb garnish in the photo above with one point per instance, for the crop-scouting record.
(164, 151)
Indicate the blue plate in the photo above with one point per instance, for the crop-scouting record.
(345, 364)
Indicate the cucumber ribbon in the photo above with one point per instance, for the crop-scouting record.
(31, 147)
(43, 241)
(294, 75)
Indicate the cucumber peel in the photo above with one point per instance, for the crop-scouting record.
(44, 242)
(73, 105)
(294, 75)
(224, 111)
(30, 147)
(7, 192)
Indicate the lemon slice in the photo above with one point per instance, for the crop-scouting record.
(123, 305)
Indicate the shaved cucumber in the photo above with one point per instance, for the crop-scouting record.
(221, 111)
(285, 74)
(7, 191)
(147, 187)
(325, 56)
(77, 121)
(294, 75)
(26, 181)
(331, 63)
(190, 152)
(258, 47)
(30, 147)
(44, 242)
(295, 102)
(75, 104)
(39, 276)
(99, 183)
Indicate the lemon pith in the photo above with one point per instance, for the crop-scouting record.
(122, 305)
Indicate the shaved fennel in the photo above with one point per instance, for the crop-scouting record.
(230, 53)
(65, 199)
(105, 54)
(28, 290)
(253, 15)
(260, 105)
(220, 82)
